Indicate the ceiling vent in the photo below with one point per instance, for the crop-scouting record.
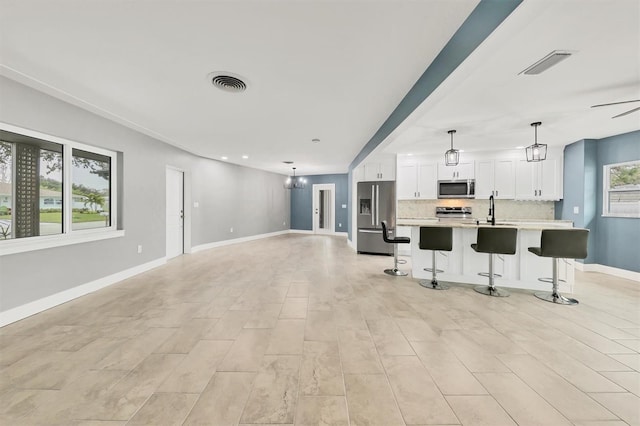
(227, 82)
(288, 162)
(547, 62)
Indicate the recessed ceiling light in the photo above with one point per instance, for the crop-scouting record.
(315, 140)
(519, 147)
(224, 157)
(245, 157)
(409, 155)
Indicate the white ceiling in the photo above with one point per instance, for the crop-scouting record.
(332, 70)
(491, 106)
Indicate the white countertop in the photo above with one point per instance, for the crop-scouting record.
(529, 224)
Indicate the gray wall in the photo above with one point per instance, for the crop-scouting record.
(302, 202)
(612, 240)
(251, 201)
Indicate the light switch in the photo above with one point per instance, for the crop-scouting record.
(196, 204)
(344, 206)
(576, 210)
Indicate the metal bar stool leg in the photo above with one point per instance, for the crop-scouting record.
(395, 272)
(555, 296)
(491, 290)
(433, 284)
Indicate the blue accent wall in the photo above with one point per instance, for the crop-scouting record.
(617, 238)
(484, 19)
(613, 241)
(302, 202)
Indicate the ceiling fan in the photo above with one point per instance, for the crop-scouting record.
(618, 103)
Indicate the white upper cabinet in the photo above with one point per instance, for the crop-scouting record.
(496, 177)
(416, 180)
(381, 170)
(462, 171)
(539, 181)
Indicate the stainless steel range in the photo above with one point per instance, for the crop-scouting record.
(456, 213)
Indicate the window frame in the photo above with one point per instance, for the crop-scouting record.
(68, 235)
(606, 181)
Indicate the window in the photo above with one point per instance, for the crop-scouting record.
(53, 188)
(621, 183)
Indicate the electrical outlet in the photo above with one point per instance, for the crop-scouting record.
(576, 210)
(231, 230)
(139, 249)
(339, 225)
(196, 204)
(284, 223)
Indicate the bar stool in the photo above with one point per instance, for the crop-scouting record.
(494, 241)
(435, 238)
(560, 244)
(395, 241)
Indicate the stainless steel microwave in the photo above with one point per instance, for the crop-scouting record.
(457, 188)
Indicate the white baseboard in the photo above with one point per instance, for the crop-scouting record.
(306, 231)
(207, 246)
(32, 308)
(604, 269)
(350, 244)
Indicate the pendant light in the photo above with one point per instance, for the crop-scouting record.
(295, 182)
(537, 151)
(452, 156)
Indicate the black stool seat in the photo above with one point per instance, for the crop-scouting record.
(561, 244)
(494, 240)
(435, 238)
(395, 241)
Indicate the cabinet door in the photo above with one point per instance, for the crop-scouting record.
(427, 181)
(504, 179)
(525, 182)
(387, 170)
(446, 172)
(465, 170)
(484, 178)
(548, 180)
(371, 171)
(406, 188)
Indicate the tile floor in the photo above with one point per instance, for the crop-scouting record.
(300, 330)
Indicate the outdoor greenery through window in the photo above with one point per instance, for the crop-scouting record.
(49, 188)
(622, 189)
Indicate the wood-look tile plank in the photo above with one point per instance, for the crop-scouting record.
(164, 409)
(371, 401)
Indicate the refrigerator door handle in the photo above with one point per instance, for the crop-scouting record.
(377, 205)
(370, 231)
(373, 212)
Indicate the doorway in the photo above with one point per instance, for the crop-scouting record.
(175, 212)
(324, 210)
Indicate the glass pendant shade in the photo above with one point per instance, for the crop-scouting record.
(452, 156)
(295, 182)
(537, 151)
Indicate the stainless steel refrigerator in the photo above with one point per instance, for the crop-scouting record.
(376, 202)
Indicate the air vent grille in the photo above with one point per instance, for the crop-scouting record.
(228, 83)
(547, 62)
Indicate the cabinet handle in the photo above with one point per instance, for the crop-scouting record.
(418, 194)
(540, 192)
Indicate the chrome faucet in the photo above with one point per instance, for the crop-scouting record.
(492, 211)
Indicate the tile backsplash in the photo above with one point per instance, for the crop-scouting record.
(505, 209)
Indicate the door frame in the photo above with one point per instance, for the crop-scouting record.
(315, 217)
(186, 207)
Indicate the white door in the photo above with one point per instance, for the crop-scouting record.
(324, 211)
(175, 213)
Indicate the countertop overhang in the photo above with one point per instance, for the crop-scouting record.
(474, 224)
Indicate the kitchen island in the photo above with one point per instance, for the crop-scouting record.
(462, 264)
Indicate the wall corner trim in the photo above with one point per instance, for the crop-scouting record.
(604, 269)
(40, 305)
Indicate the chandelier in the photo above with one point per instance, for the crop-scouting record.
(295, 182)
